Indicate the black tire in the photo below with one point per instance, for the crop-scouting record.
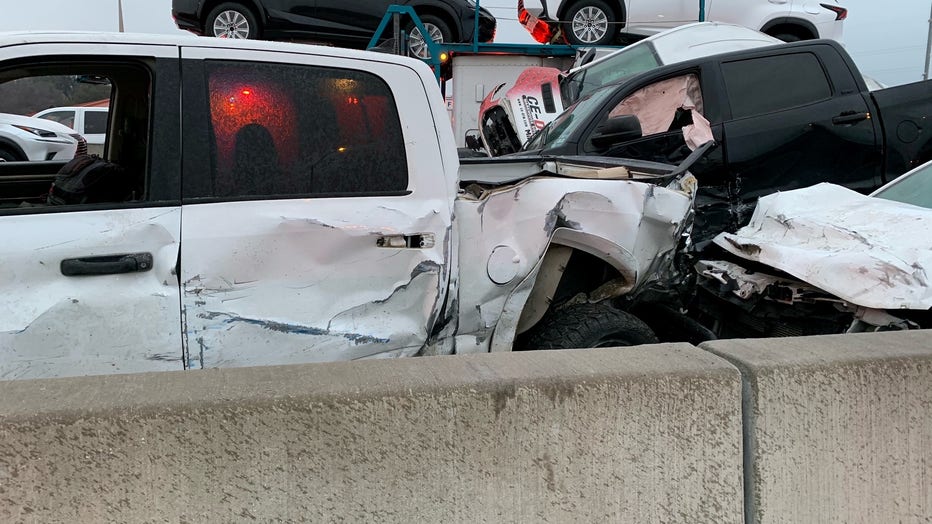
(232, 20)
(590, 22)
(438, 29)
(587, 326)
(6, 155)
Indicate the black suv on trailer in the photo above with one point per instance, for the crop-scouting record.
(349, 23)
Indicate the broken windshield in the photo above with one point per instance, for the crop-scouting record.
(556, 133)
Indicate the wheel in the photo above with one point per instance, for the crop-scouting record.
(437, 29)
(590, 22)
(7, 155)
(587, 326)
(231, 20)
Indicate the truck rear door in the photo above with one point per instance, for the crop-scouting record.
(797, 118)
(904, 112)
(316, 223)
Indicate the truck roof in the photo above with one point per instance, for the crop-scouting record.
(190, 40)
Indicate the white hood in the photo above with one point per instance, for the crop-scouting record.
(38, 123)
(867, 251)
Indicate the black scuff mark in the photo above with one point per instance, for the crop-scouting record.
(442, 299)
(748, 249)
(920, 274)
(164, 357)
(853, 234)
(292, 329)
(203, 347)
(556, 218)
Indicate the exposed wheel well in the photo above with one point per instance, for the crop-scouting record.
(12, 148)
(800, 29)
(566, 274)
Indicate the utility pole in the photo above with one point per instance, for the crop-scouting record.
(925, 74)
(120, 14)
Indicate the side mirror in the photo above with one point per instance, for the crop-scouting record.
(615, 130)
(473, 141)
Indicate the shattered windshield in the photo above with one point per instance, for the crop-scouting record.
(915, 188)
(635, 59)
(556, 133)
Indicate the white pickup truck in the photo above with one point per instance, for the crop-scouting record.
(290, 203)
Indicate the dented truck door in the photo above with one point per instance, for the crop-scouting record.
(316, 211)
(89, 286)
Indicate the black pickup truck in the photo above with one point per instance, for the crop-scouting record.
(784, 117)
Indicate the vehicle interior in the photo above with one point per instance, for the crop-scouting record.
(127, 86)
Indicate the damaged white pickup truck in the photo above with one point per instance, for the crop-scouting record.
(289, 203)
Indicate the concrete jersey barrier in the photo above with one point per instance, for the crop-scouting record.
(643, 434)
(838, 428)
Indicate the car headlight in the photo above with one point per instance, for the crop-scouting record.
(36, 131)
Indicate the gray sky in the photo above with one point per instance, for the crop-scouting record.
(887, 42)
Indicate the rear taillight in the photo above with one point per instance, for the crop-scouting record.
(540, 30)
(82, 145)
(840, 12)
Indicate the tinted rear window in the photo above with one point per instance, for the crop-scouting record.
(765, 85)
(95, 122)
(292, 130)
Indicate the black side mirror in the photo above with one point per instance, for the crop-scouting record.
(472, 140)
(615, 130)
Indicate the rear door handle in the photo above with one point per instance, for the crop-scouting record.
(107, 264)
(850, 117)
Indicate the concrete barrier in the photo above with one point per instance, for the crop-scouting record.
(837, 428)
(645, 434)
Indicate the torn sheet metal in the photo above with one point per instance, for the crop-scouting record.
(746, 284)
(633, 226)
(866, 251)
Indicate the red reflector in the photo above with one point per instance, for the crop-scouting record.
(540, 30)
(840, 12)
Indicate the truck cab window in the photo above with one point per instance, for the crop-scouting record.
(282, 130)
(754, 88)
(663, 106)
(42, 129)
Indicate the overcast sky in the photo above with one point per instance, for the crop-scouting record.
(886, 39)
